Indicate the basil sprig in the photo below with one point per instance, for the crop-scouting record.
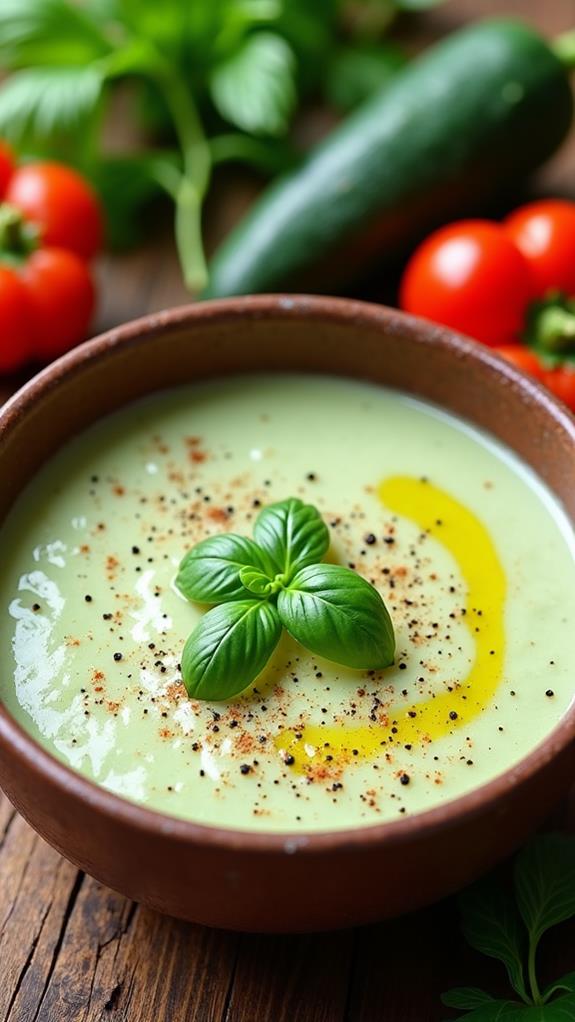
(273, 582)
(506, 919)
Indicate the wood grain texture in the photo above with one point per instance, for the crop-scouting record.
(72, 951)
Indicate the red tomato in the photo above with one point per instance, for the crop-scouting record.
(545, 233)
(15, 321)
(61, 295)
(469, 276)
(522, 358)
(6, 167)
(561, 382)
(62, 203)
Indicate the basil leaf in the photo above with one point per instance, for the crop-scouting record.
(338, 615)
(466, 998)
(567, 983)
(544, 879)
(256, 581)
(491, 924)
(560, 1009)
(229, 648)
(210, 571)
(293, 534)
(509, 1011)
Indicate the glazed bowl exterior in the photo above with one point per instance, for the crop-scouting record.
(300, 881)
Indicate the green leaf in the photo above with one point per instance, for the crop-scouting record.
(49, 33)
(561, 1010)
(163, 23)
(338, 615)
(229, 648)
(416, 5)
(491, 924)
(567, 983)
(125, 185)
(270, 156)
(255, 87)
(545, 882)
(46, 102)
(210, 571)
(256, 581)
(293, 534)
(466, 998)
(356, 72)
(499, 1011)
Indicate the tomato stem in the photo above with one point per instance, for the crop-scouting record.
(17, 238)
(554, 328)
(564, 48)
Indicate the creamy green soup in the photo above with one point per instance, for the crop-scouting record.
(472, 555)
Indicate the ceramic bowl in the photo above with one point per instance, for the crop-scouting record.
(298, 881)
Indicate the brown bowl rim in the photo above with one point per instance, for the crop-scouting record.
(28, 752)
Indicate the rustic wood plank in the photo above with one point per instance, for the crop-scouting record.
(288, 978)
(126, 963)
(36, 893)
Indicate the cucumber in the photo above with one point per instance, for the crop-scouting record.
(475, 112)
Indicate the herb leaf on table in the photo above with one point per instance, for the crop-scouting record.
(509, 928)
(467, 998)
(545, 883)
(492, 925)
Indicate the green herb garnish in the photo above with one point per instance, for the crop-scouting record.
(271, 582)
(507, 922)
(209, 80)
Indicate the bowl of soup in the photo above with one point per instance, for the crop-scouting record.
(321, 795)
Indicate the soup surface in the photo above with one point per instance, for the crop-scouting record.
(471, 554)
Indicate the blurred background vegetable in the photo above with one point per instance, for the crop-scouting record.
(436, 140)
(50, 226)
(210, 81)
(510, 285)
(471, 277)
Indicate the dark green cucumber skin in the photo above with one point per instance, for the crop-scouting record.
(474, 113)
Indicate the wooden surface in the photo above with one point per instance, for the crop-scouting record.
(72, 951)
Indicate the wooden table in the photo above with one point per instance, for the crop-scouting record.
(73, 951)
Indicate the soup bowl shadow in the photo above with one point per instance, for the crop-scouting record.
(297, 881)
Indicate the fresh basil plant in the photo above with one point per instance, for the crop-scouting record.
(506, 920)
(276, 580)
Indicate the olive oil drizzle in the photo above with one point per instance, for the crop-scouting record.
(452, 524)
